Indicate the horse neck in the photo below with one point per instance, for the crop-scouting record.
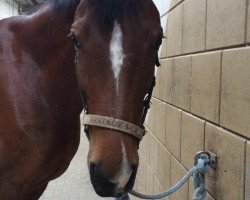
(46, 31)
(44, 37)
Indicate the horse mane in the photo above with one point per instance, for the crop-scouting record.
(60, 5)
(108, 11)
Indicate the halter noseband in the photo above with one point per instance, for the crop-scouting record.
(114, 124)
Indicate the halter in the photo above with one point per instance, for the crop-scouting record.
(117, 124)
(112, 123)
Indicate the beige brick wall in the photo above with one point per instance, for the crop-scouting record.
(201, 100)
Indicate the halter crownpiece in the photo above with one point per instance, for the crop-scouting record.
(114, 124)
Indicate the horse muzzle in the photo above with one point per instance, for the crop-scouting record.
(106, 187)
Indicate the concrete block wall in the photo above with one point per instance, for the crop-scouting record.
(201, 100)
(8, 8)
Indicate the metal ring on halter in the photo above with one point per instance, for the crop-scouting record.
(114, 124)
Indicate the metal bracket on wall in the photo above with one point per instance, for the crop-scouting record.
(213, 160)
(202, 161)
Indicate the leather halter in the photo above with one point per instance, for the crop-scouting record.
(116, 124)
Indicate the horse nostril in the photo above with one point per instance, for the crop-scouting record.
(131, 181)
(94, 168)
(101, 184)
(134, 167)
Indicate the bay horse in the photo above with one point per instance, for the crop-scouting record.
(115, 44)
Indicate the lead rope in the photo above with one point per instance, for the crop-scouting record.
(202, 161)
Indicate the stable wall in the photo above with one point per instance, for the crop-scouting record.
(201, 100)
(8, 8)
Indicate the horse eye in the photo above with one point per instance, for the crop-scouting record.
(75, 40)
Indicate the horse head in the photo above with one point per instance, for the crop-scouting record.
(116, 44)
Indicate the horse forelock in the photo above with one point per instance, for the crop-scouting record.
(108, 11)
